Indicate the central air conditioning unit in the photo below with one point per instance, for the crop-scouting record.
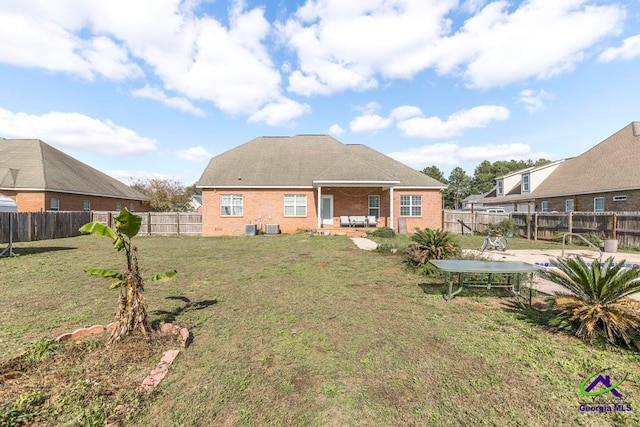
(249, 229)
(273, 229)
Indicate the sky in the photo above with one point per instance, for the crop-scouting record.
(144, 89)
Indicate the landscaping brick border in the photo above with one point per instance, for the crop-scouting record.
(160, 371)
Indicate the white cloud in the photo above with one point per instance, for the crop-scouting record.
(411, 122)
(547, 38)
(194, 56)
(455, 124)
(452, 154)
(176, 102)
(419, 157)
(109, 59)
(516, 150)
(629, 50)
(348, 47)
(534, 101)
(36, 41)
(336, 130)
(77, 132)
(280, 112)
(405, 112)
(195, 154)
(369, 123)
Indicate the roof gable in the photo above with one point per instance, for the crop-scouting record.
(612, 164)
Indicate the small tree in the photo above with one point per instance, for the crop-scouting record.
(132, 307)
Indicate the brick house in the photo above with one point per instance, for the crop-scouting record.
(308, 182)
(604, 178)
(39, 177)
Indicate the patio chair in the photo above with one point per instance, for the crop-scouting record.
(371, 221)
(358, 221)
(344, 221)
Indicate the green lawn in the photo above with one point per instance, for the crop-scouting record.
(303, 330)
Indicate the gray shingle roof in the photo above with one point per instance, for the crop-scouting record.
(301, 160)
(30, 164)
(613, 164)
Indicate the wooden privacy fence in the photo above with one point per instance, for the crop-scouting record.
(160, 223)
(622, 226)
(467, 222)
(29, 226)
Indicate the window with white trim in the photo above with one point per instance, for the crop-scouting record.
(55, 204)
(374, 206)
(118, 206)
(231, 205)
(525, 183)
(619, 198)
(598, 204)
(568, 205)
(500, 190)
(295, 205)
(86, 205)
(410, 205)
(544, 206)
(132, 207)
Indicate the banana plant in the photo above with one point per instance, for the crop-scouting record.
(132, 307)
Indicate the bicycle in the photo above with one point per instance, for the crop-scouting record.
(499, 243)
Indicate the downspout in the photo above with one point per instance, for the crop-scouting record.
(319, 206)
(391, 208)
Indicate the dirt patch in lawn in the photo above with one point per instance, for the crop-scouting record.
(80, 382)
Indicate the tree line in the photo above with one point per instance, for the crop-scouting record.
(462, 185)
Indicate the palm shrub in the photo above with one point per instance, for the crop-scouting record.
(132, 308)
(596, 305)
(430, 244)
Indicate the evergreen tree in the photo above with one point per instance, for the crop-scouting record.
(435, 173)
(459, 188)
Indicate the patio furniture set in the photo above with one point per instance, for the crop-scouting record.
(358, 221)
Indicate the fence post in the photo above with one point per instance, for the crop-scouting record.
(178, 223)
(570, 222)
(149, 223)
(535, 226)
(614, 226)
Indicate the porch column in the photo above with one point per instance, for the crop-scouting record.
(319, 206)
(391, 208)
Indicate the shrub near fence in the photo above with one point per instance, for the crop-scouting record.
(30, 226)
(160, 223)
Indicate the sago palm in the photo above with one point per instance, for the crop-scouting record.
(597, 304)
(431, 244)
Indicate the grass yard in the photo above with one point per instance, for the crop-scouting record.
(303, 330)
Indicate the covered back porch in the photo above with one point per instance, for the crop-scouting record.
(350, 207)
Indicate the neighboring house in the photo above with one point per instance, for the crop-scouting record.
(195, 203)
(473, 201)
(307, 182)
(604, 178)
(39, 177)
